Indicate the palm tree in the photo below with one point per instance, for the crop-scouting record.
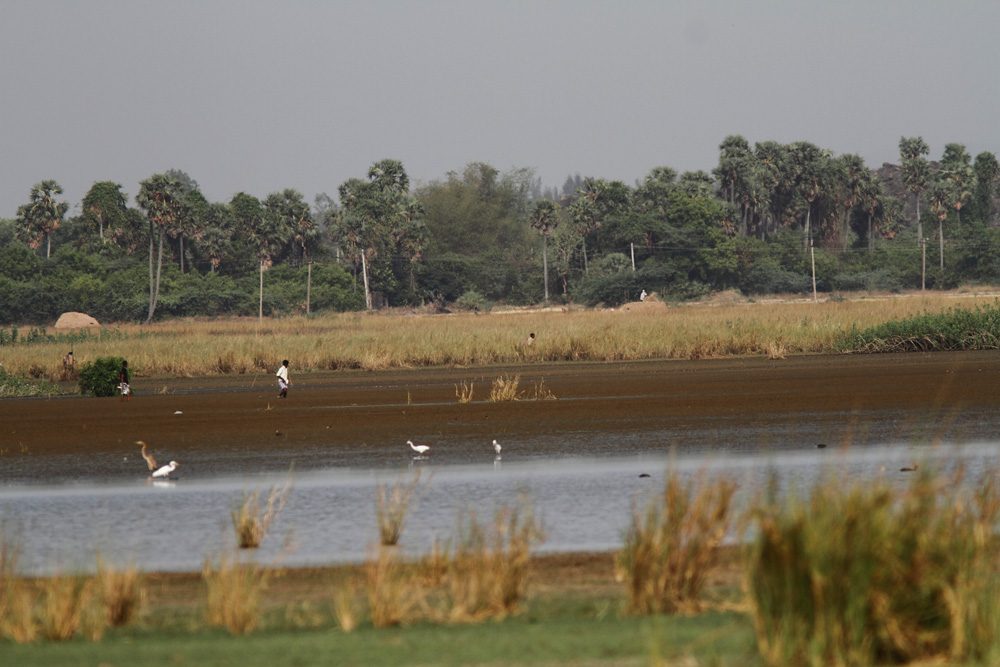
(939, 195)
(545, 218)
(916, 171)
(105, 205)
(42, 215)
(162, 199)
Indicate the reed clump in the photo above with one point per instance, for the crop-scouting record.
(464, 392)
(392, 506)
(487, 574)
(234, 590)
(392, 589)
(250, 522)
(875, 574)
(122, 593)
(505, 388)
(672, 545)
(63, 606)
(17, 616)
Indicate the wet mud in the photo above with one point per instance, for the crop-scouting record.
(329, 414)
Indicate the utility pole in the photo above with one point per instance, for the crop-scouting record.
(923, 264)
(632, 247)
(260, 314)
(812, 259)
(309, 277)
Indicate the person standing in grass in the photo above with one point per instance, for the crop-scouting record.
(123, 382)
(282, 376)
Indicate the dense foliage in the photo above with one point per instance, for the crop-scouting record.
(954, 329)
(100, 376)
(770, 218)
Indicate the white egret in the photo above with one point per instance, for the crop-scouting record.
(419, 449)
(154, 469)
(496, 447)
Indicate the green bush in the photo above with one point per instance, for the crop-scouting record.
(100, 377)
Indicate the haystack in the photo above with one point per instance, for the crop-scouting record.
(76, 321)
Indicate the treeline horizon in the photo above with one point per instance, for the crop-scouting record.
(760, 222)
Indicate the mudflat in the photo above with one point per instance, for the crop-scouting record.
(342, 408)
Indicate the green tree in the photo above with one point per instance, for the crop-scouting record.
(42, 215)
(956, 168)
(105, 205)
(986, 171)
(162, 198)
(545, 219)
(916, 171)
(939, 196)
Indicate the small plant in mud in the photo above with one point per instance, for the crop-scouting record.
(541, 392)
(250, 523)
(505, 388)
(464, 392)
(392, 506)
(100, 376)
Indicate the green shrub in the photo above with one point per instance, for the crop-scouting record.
(100, 377)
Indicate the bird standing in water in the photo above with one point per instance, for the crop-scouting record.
(154, 469)
(419, 449)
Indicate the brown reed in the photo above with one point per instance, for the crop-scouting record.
(392, 506)
(250, 523)
(122, 593)
(505, 388)
(234, 589)
(392, 590)
(672, 544)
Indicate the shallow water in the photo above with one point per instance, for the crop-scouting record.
(584, 503)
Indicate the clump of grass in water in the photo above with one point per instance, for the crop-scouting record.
(505, 388)
(391, 508)
(672, 544)
(234, 590)
(872, 573)
(249, 523)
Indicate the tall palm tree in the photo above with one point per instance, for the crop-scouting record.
(545, 218)
(916, 171)
(161, 197)
(939, 196)
(42, 215)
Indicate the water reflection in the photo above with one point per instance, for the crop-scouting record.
(584, 503)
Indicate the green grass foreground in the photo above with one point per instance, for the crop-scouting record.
(581, 637)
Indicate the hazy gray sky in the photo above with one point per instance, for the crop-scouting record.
(260, 96)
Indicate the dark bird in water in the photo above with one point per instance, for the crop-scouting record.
(645, 474)
(908, 469)
(821, 446)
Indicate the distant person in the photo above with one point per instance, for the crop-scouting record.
(282, 376)
(68, 361)
(123, 381)
(529, 341)
(642, 297)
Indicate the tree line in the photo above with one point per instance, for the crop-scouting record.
(758, 223)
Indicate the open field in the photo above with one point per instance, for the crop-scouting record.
(725, 326)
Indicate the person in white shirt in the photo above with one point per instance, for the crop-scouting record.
(282, 376)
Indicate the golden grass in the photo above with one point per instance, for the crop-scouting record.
(671, 546)
(190, 348)
(392, 590)
(505, 388)
(392, 506)
(122, 593)
(233, 594)
(249, 523)
(464, 391)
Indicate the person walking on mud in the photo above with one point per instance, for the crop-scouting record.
(282, 376)
(123, 382)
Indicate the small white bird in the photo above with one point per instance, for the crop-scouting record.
(496, 447)
(419, 449)
(154, 469)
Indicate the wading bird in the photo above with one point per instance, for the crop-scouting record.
(496, 447)
(154, 469)
(419, 449)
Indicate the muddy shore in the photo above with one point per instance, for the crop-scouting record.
(331, 410)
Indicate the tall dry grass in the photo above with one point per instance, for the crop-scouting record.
(377, 342)
(392, 506)
(250, 522)
(487, 574)
(234, 590)
(122, 593)
(672, 545)
(394, 593)
(866, 574)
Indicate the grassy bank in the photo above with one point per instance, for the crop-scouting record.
(651, 330)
